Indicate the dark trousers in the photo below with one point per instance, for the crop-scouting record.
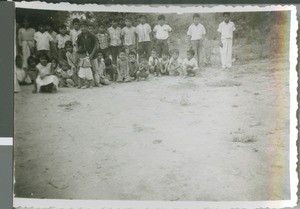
(161, 46)
(114, 50)
(144, 49)
(105, 52)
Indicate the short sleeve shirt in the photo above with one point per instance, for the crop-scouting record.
(102, 40)
(115, 36)
(61, 40)
(44, 69)
(192, 62)
(196, 31)
(162, 32)
(42, 40)
(143, 31)
(129, 35)
(226, 30)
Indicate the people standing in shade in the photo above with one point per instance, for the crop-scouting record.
(143, 31)
(226, 29)
(115, 40)
(196, 34)
(89, 44)
(162, 33)
(74, 32)
(26, 41)
(129, 36)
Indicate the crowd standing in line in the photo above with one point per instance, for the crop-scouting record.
(90, 55)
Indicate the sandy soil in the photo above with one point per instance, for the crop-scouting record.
(220, 136)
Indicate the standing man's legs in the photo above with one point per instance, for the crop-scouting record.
(148, 49)
(223, 52)
(200, 54)
(229, 53)
(114, 53)
(141, 48)
(95, 69)
(195, 46)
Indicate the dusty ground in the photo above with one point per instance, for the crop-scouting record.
(220, 136)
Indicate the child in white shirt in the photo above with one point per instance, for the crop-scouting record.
(43, 41)
(226, 29)
(164, 63)
(162, 33)
(196, 34)
(175, 63)
(154, 64)
(190, 65)
(129, 36)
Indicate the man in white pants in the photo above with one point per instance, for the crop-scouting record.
(226, 29)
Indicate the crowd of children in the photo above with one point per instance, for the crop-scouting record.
(90, 55)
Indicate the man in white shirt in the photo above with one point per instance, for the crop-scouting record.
(196, 34)
(162, 31)
(226, 29)
(143, 31)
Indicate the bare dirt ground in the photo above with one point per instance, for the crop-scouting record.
(223, 135)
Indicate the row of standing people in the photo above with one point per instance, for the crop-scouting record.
(91, 39)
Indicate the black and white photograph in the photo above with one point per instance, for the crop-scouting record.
(155, 103)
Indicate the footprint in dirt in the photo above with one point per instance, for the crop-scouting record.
(157, 141)
(70, 106)
(141, 128)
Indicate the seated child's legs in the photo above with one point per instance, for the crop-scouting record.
(142, 74)
(62, 82)
(192, 71)
(70, 82)
(104, 81)
(80, 82)
(183, 71)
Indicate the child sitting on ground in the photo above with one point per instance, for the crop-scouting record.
(85, 69)
(110, 70)
(46, 81)
(55, 67)
(32, 71)
(123, 67)
(143, 71)
(190, 64)
(154, 63)
(21, 74)
(175, 63)
(164, 63)
(133, 64)
(66, 75)
(99, 74)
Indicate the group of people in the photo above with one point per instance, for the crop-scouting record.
(91, 55)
